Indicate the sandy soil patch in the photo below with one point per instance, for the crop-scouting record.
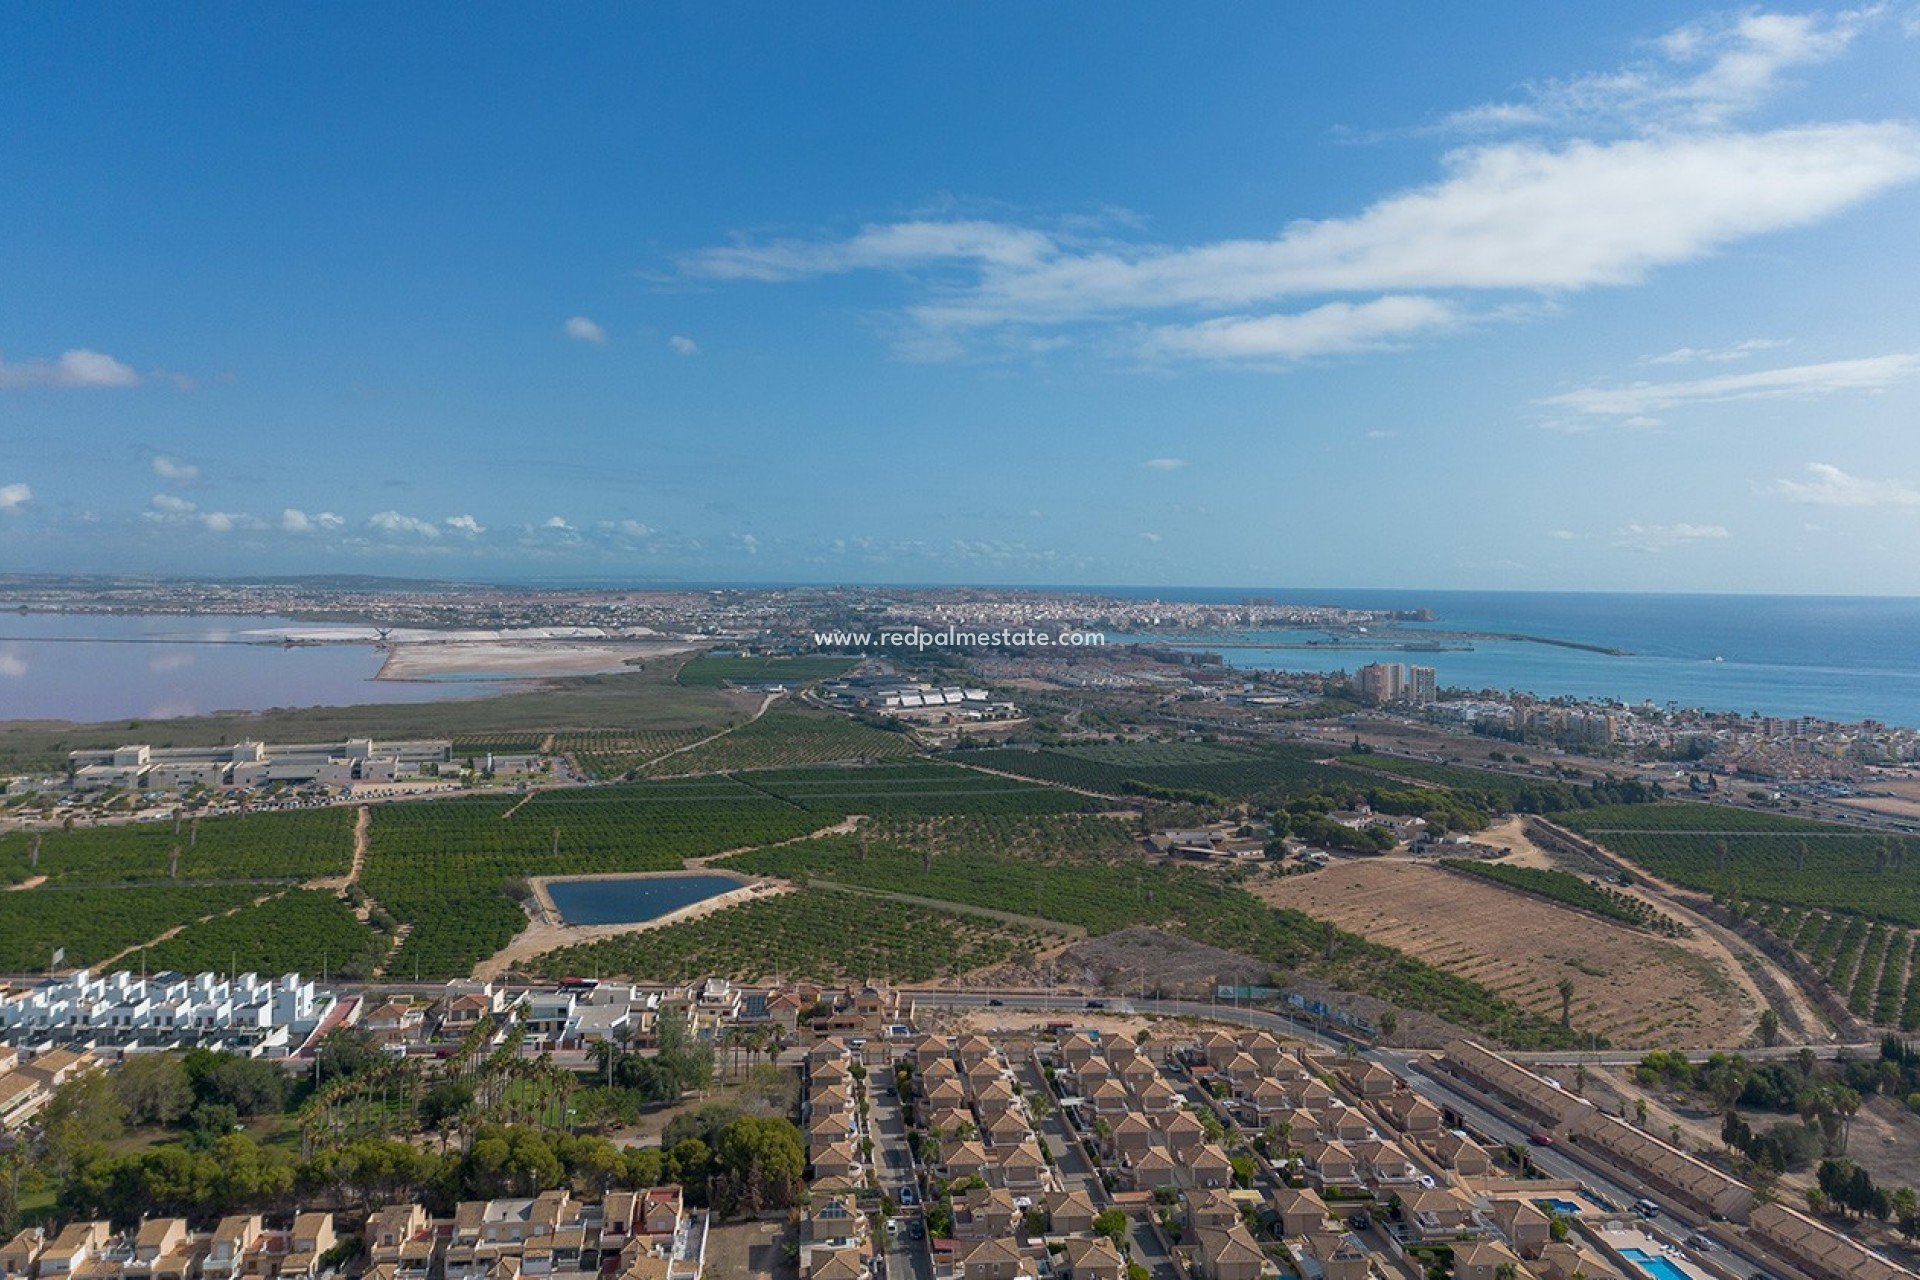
(1633, 988)
(521, 659)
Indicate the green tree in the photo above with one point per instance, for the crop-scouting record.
(154, 1088)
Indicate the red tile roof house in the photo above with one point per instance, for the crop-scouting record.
(1094, 1259)
(1208, 1166)
(1329, 1163)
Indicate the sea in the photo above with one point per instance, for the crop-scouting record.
(1834, 657)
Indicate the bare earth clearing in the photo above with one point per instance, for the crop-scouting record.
(521, 658)
(1631, 987)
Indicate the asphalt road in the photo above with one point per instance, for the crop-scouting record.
(894, 1164)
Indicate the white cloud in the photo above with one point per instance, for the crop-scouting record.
(1698, 76)
(175, 470)
(75, 368)
(172, 504)
(1874, 373)
(220, 521)
(14, 496)
(1561, 535)
(465, 524)
(747, 542)
(1661, 537)
(1149, 537)
(395, 522)
(581, 329)
(12, 666)
(682, 346)
(627, 528)
(1334, 328)
(557, 522)
(294, 520)
(1383, 434)
(1718, 355)
(1829, 486)
(1517, 216)
(1164, 464)
(882, 246)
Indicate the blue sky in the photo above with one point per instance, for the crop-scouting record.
(1616, 297)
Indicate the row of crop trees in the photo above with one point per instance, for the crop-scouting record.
(1873, 965)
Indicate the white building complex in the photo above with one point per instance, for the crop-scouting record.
(270, 1017)
(250, 764)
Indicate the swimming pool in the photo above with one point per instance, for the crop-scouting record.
(1654, 1265)
(1553, 1204)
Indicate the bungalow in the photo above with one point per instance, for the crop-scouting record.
(836, 1160)
(927, 1050)
(984, 1213)
(1209, 1207)
(993, 1259)
(1182, 1132)
(833, 1229)
(1023, 1170)
(1458, 1152)
(1069, 1213)
(1208, 1166)
(1155, 1097)
(1368, 1079)
(1564, 1260)
(1412, 1114)
(1383, 1164)
(1300, 1211)
(1005, 1129)
(1338, 1257)
(1152, 1171)
(1269, 1100)
(1132, 1136)
(829, 1264)
(1437, 1211)
(1109, 1099)
(1227, 1253)
(228, 1244)
(1483, 1260)
(1076, 1048)
(1329, 1163)
(964, 1160)
(1522, 1223)
(995, 1098)
(1094, 1259)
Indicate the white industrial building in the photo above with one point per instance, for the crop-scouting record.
(264, 1017)
(249, 764)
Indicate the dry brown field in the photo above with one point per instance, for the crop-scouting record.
(1633, 988)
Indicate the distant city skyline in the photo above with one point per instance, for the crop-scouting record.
(1597, 301)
